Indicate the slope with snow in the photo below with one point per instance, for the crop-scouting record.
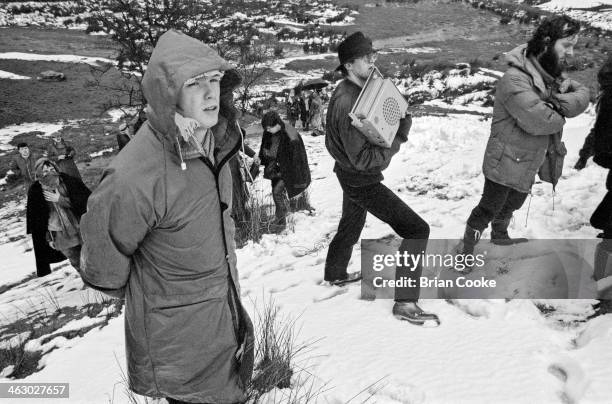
(484, 352)
(597, 13)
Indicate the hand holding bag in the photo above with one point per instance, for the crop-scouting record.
(552, 168)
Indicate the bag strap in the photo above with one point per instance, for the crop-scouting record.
(242, 147)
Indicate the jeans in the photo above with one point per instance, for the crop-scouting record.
(281, 201)
(388, 207)
(498, 202)
(74, 256)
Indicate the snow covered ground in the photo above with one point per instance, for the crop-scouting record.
(94, 61)
(12, 76)
(9, 132)
(484, 352)
(579, 9)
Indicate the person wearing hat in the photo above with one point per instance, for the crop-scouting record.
(56, 202)
(359, 165)
(62, 154)
(22, 165)
(158, 232)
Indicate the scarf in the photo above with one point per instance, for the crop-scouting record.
(200, 140)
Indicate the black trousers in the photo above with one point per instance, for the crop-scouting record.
(602, 217)
(388, 207)
(280, 198)
(497, 202)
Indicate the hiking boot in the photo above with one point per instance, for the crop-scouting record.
(499, 233)
(411, 312)
(466, 246)
(469, 241)
(350, 278)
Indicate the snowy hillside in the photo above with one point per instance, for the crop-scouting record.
(54, 329)
(597, 13)
(484, 352)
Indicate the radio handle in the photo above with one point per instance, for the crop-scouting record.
(356, 121)
(372, 70)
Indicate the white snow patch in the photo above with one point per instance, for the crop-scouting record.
(101, 152)
(12, 76)
(424, 49)
(95, 61)
(9, 132)
(579, 10)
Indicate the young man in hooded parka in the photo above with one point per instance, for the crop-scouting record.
(158, 231)
(532, 100)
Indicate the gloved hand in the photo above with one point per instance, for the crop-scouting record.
(555, 104)
(404, 127)
(581, 163)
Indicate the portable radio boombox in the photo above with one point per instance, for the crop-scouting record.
(378, 110)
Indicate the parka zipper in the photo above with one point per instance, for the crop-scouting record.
(233, 303)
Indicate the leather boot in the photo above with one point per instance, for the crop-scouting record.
(470, 239)
(466, 246)
(499, 233)
(411, 312)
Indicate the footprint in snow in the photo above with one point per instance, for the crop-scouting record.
(283, 289)
(395, 392)
(281, 267)
(572, 375)
(330, 293)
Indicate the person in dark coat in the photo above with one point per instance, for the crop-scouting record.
(229, 125)
(304, 103)
(293, 108)
(532, 100)
(602, 155)
(62, 154)
(602, 148)
(128, 128)
(56, 202)
(284, 156)
(359, 166)
(22, 165)
(316, 113)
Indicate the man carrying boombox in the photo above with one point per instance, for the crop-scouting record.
(359, 165)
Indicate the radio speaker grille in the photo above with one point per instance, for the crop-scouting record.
(391, 111)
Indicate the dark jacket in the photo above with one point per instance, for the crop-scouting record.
(23, 168)
(524, 120)
(67, 164)
(602, 131)
(163, 237)
(304, 114)
(291, 159)
(37, 218)
(358, 162)
(588, 148)
(293, 109)
(240, 194)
